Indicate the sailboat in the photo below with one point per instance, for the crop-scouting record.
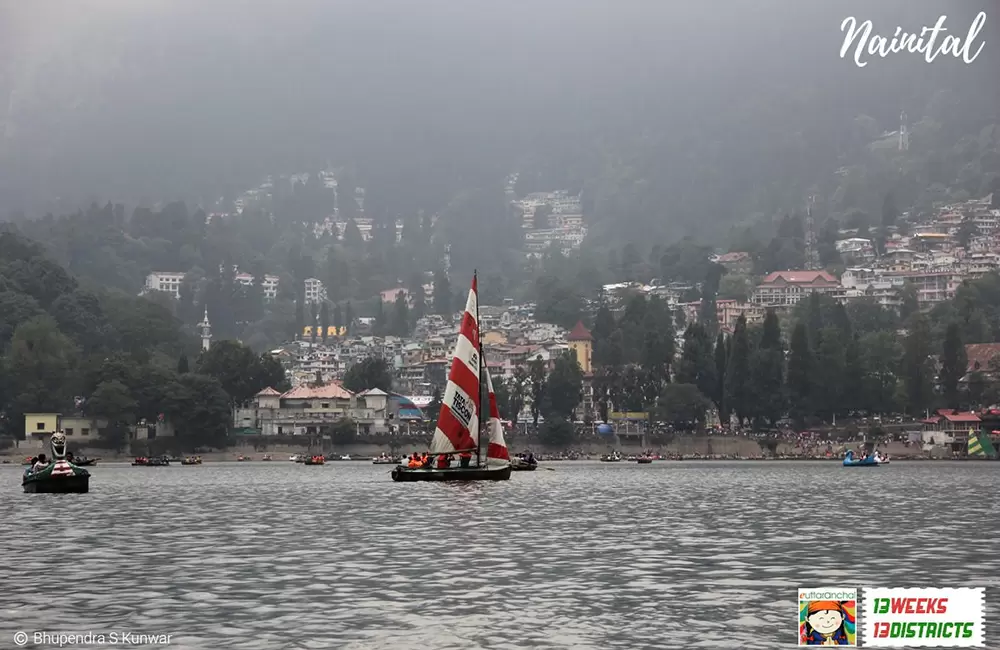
(980, 445)
(457, 429)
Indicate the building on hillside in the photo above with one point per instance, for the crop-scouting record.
(581, 343)
(169, 281)
(738, 262)
(314, 291)
(950, 427)
(932, 286)
(269, 285)
(786, 288)
(313, 410)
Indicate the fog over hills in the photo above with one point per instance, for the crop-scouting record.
(673, 117)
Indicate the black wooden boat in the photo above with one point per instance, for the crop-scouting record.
(151, 462)
(85, 462)
(521, 465)
(642, 460)
(405, 474)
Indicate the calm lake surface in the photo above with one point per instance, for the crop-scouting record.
(585, 555)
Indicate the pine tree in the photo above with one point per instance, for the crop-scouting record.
(719, 394)
(767, 370)
(916, 366)
(799, 378)
(324, 319)
(953, 365)
(182, 365)
(338, 318)
(829, 373)
(300, 318)
(442, 294)
(349, 318)
(738, 388)
(313, 322)
(400, 315)
(696, 365)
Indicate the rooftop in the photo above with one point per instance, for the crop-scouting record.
(580, 333)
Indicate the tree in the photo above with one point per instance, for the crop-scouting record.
(510, 393)
(434, 408)
(909, 304)
(536, 386)
(442, 294)
(683, 406)
(719, 393)
(767, 372)
(738, 387)
(182, 365)
(829, 372)
(563, 387)
(800, 367)
(324, 319)
(112, 401)
(199, 408)
(372, 372)
(916, 371)
(696, 365)
(400, 315)
(353, 240)
(881, 353)
(953, 365)
(240, 372)
(889, 212)
(40, 365)
(313, 323)
(557, 432)
(343, 432)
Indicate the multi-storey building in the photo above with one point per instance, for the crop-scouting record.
(786, 288)
(314, 291)
(169, 281)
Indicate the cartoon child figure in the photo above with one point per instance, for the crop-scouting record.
(827, 622)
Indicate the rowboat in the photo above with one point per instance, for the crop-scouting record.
(458, 421)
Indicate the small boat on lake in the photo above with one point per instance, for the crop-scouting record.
(191, 460)
(314, 460)
(266, 457)
(142, 461)
(871, 460)
(241, 458)
(384, 459)
(611, 458)
(58, 477)
(643, 460)
(83, 461)
(523, 463)
(457, 432)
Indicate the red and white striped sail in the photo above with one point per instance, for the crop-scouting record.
(496, 453)
(458, 422)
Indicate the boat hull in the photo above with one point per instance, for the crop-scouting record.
(644, 461)
(406, 475)
(523, 468)
(79, 484)
(85, 463)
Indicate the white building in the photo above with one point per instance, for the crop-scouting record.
(269, 285)
(169, 281)
(315, 292)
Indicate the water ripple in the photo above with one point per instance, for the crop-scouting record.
(587, 555)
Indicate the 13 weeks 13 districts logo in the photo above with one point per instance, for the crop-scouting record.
(827, 616)
(923, 617)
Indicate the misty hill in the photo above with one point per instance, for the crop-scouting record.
(671, 118)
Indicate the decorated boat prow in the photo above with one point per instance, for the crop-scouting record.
(457, 432)
(58, 477)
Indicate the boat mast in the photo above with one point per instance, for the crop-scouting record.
(479, 342)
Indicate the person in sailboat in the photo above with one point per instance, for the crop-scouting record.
(465, 458)
(413, 463)
(443, 461)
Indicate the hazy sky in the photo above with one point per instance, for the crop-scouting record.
(164, 97)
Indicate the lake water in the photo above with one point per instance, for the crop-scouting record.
(584, 555)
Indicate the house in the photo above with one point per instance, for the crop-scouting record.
(581, 343)
(786, 288)
(737, 262)
(950, 427)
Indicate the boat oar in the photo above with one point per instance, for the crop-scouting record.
(551, 469)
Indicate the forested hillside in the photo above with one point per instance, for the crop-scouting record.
(65, 347)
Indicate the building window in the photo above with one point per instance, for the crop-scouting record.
(84, 431)
(69, 431)
(39, 426)
(325, 405)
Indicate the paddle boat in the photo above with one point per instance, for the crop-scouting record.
(867, 461)
(58, 477)
(266, 457)
(643, 460)
(384, 459)
(241, 458)
(142, 461)
(191, 460)
(82, 461)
